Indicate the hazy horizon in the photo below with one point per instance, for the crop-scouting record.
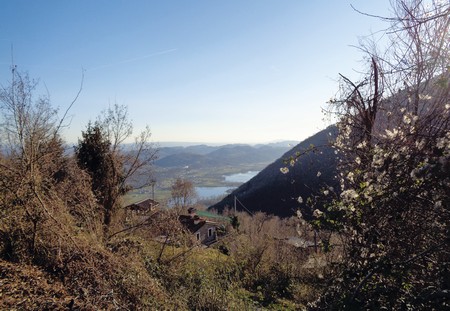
(187, 143)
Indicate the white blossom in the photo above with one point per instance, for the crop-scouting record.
(377, 160)
(420, 144)
(368, 197)
(300, 200)
(319, 173)
(362, 144)
(349, 194)
(284, 170)
(424, 96)
(317, 213)
(406, 119)
(391, 134)
(350, 176)
(443, 142)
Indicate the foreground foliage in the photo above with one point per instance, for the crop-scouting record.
(394, 151)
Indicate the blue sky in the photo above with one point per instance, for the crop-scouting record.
(234, 71)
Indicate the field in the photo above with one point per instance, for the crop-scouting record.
(203, 177)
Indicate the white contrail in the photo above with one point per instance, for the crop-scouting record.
(132, 59)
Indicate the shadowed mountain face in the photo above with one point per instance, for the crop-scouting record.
(276, 193)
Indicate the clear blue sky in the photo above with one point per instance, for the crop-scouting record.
(230, 71)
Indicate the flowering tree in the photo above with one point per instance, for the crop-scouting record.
(393, 148)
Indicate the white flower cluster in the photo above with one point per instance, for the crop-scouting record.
(420, 144)
(317, 213)
(444, 142)
(349, 194)
(394, 134)
(284, 170)
(362, 145)
(350, 177)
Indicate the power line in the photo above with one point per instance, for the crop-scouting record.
(246, 209)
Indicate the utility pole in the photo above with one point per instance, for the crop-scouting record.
(153, 189)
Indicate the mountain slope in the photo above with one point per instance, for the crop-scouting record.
(213, 157)
(276, 193)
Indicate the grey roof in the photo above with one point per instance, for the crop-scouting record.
(144, 205)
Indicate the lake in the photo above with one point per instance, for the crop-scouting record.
(208, 192)
(241, 177)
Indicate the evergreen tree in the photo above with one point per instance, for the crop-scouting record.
(106, 170)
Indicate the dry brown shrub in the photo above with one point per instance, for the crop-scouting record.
(25, 287)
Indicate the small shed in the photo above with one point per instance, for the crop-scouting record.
(141, 208)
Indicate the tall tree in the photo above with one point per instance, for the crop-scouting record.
(94, 156)
(183, 193)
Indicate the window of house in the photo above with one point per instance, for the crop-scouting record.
(209, 232)
(198, 236)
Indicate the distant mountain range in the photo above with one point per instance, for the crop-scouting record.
(276, 193)
(205, 156)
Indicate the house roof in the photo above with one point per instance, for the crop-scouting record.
(193, 223)
(206, 214)
(144, 205)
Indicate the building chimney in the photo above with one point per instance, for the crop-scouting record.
(192, 211)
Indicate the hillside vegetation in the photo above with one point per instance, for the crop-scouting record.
(369, 227)
(67, 243)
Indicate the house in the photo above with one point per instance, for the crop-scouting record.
(203, 231)
(140, 210)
